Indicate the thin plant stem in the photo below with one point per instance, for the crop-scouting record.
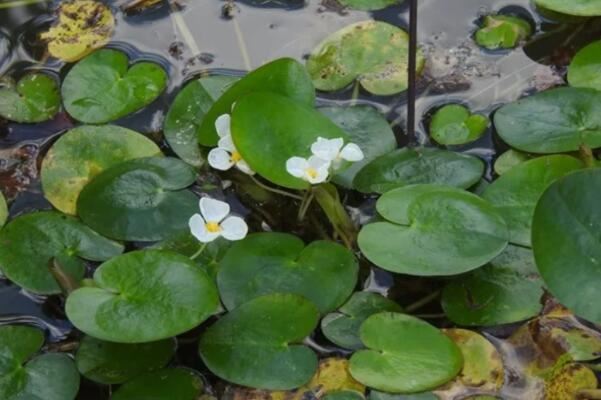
(274, 190)
(304, 207)
(199, 252)
(242, 45)
(422, 302)
(19, 3)
(587, 157)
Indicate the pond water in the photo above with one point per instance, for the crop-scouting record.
(201, 39)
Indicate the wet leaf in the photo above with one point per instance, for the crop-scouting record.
(35, 98)
(372, 52)
(419, 165)
(248, 344)
(29, 243)
(586, 8)
(186, 113)
(369, 5)
(103, 86)
(433, 230)
(143, 199)
(82, 26)
(166, 292)
(344, 395)
(342, 327)
(84, 152)
(167, 384)
(568, 381)
(454, 124)
(510, 159)
(585, 69)
(502, 32)
(405, 355)
(3, 210)
(263, 263)
(113, 363)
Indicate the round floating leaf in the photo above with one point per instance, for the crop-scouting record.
(502, 31)
(585, 8)
(3, 210)
(143, 199)
(167, 384)
(342, 327)
(35, 98)
(48, 376)
(369, 5)
(344, 395)
(323, 272)
(30, 242)
(506, 291)
(516, 193)
(510, 159)
(257, 344)
(84, 152)
(585, 69)
(554, 121)
(454, 124)
(285, 76)
(566, 239)
(82, 26)
(268, 129)
(103, 87)
(433, 230)
(372, 52)
(143, 296)
(114, 363)
(187, 111)
(420, 165)
(406, 355)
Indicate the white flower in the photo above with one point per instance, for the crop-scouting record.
(314, 170)
(332, 150)
(225, 155)
(214, 221)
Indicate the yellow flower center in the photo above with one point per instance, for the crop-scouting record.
(213, 227)
(236, 157)
(312, 172)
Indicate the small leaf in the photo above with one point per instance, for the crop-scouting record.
(453, 125)
(585, 69)
(35, 98)
(167, 384)
(585, 8)
(502, 31)
(510, 159)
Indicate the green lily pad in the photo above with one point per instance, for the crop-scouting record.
(369, 5)
(143, 199)
(114, 363)
(29, 243)
(566, 239)
(568, 381)
(260, 337)
(433, 230)
(502, 32)
(365, 127)
(284, 76)
(516, 193)
(35, 98)
(167, 384)
(405, 355)
(187, 111)
(344, 395)
(23, 375)
(372, 52)
(507, 290)
(129, 285)
(585, 8)
(453, 124)
(103, 87)
(263, 263)
(3, 210)
(342, 327)
(585, 69)
(84, 152)
(554, 121)
(375, 395)
(510, 159)
(268, 129)
(420, 165)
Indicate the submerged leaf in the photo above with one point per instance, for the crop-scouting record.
(454, 124)
(35, 98)
(502, 31)
(171, 384)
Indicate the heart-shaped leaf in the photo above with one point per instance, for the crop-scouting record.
(554, 121)
(31, 241)
(143, 199)
(84, 152)
(23, 376)
(103, 87)
(167, 384)
(114, 363)
(263, 263)
(187, 112)
(585, 8)
(284, 76)
(433, 230)
(420, 165)
(369, 5)
(166, 292)
(247, 345)
(372, 52)
(566, 240)
(516, 193)
(585, 69)
(342, 327)
(35, 98)
(268, 129)
(405, 355)
(454, 124)
(502, 32)
(3, 210)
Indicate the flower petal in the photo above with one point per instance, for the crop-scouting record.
(327, 149)
(296, 166)
(321, 176)
(244, 167)
(199, 230)
(213, 210)
(234, 228)
(318, 163)
(227, 143)
(220, 159)
(222, 125)
(352, 152)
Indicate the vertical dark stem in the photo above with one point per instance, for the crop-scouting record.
(412, 92)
